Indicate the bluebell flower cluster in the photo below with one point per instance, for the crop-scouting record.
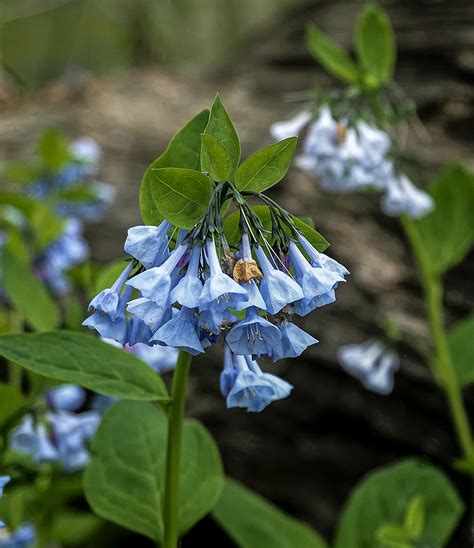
(372, 363)
(347, 158)
(23, 536)
(74, 188)
(59, 435)
(190, 291)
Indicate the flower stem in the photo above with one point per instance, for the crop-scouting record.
(442, 363)
(173, 452)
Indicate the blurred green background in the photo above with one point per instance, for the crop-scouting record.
(45, 39)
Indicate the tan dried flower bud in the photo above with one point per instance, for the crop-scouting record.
(246, 270)
(341, 132)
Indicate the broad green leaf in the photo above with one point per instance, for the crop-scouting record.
(124, 482)
(383, 496)
(393, 536)
(253, 522)
(331, 56)
(375, 45)
(11, 402)
(82, 359)
(461, 344)
(447, 232)
(265, 167)
(220, 167)
(184, 150)
(53, 150)
(233, 233)
(220, 126)
(27, 294)
(181, 195)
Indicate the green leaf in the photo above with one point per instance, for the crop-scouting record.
(27, 294)
(83, 359)
(415, 517)
(220, 168)
(266, 166)
(12, 401)
(21, 172)
(448, 232)
(53, 150)
(253, 522)
(181, 195)
(393, 536)
(331, 56)
(382, 498)
(233, 234)
(461, 345)
(220, 126)
(184, 150)
(124, 482)
(375, 45)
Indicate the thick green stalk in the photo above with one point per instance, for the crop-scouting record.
(173, 453)
(442, 363)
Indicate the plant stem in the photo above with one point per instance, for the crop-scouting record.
(173, 452)
(442, 363)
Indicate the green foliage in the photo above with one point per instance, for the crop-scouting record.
(181, 195)
(184, 150)
(124, 482)
(388, 499)
(220, 167)
(253, 522)
(20, 172)
(233, 233)
(461, 346)
(331, 56)
(220, 126)
(265, 167)
(447, 232)
(375, 46)
(27, 294)
(12, 402)
(82, 359)
(53, 150)
(74, 528)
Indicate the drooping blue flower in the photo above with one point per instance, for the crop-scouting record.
(24, 438)
(3, 481)
(277, 288)
(294, 341)
(243, 384)
(108, 318)
(216, 319)
(23, 536)
(45, 450)
(315, 281)
(403, 196)
(159, 358)
(372, 363)
(305, 306)
(138, 331)
(219, 287)
(149, 312)
(291, 127)
(254, 297)
(181, 332)
(321, 259)
(145, 243)
(254, 335)
(188, 290)
(67, 397)
(155, 283)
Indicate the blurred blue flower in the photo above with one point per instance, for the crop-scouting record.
(67, 397)
(23, 536)
(372, 363)
(402, 196)
(24, 438)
